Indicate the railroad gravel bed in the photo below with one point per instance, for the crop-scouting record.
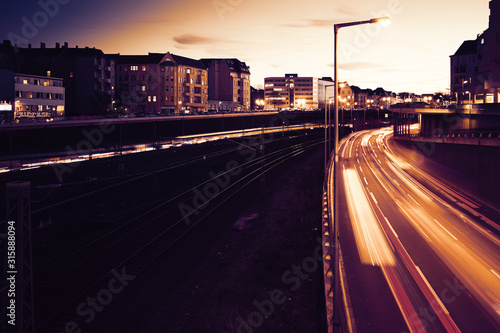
(251, 267)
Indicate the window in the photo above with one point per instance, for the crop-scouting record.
(154, 98)
(134, 68)
(143, 68)
(149, 98)
(26, 81)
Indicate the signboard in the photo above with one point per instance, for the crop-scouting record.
(33, 114)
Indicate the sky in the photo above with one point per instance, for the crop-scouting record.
(273, 37)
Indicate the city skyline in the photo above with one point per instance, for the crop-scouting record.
(411, 54)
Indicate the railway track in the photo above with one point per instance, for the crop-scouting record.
(62, 288)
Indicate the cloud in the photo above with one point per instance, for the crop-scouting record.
(341, 13)
(189, 39)
(354, 66)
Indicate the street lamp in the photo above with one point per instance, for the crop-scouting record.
(463, 82)
(470, 107)
(336, 319)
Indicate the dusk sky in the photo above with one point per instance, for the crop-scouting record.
(272, 37)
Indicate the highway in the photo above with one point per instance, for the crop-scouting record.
(416, 254)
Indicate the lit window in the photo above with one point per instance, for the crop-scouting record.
(26, 81)
(149, 98)
(154, 98)
(134, 68)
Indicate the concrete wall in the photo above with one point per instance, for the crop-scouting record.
(473, 168)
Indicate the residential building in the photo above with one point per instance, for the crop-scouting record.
(228, 83)
(488, 47)
(475, 67)
(345, 96)
(291, 92)
(464, 69)
(326, 91)
(34, 96)
(360, 97)
(162, 84)
(257, 99)
(88, 75)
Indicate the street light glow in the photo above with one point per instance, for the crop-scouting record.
(384, 21)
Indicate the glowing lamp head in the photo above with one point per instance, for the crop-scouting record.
(384, 21)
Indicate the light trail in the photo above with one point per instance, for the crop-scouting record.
(372, 245)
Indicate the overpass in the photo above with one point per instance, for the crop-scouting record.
(457, 121)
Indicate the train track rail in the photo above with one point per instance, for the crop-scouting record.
(136, 243)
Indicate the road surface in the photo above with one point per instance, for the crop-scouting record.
(416, 254)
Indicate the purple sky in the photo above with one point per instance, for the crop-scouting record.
(272, 37)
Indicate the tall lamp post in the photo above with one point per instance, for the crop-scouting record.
(327, 123)
(336, 310)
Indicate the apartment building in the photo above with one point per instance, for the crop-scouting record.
(160, 83)
(88, 74)
(291, 92)
(464, 69)
(228, 83)
(475, 67)
(33, 96)
(38, 96)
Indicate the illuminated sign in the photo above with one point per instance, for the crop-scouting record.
(5, 107)
(33, 114)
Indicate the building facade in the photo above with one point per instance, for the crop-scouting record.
(88, 74)
(30, 96)
(228, 83)
(38, 96)
(464, 69)
(475, 67)
(162, 84)
(291, 92)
